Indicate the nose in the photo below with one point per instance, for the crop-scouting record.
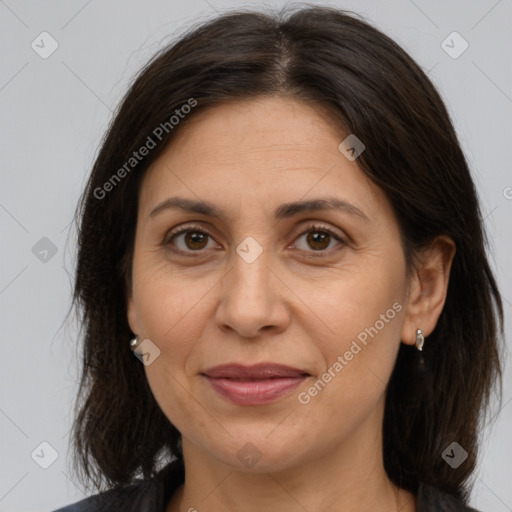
(252, 301)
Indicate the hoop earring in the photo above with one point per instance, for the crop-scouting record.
(420, 340)
(133, 342)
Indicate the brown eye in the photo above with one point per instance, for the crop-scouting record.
(195, 240)
(318, 240)
(190, 240)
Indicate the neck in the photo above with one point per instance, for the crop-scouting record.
(349, 478)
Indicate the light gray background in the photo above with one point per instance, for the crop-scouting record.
(54, 112)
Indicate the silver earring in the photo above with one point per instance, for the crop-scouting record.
(134, 342)
(420, 339)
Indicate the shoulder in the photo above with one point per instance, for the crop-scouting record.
(135, 497)
(142, 496)
(432, 499)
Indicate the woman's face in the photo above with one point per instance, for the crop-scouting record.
(322, 290)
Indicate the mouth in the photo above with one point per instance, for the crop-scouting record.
(254, 385)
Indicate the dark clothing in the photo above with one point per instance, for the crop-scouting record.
(154, 495)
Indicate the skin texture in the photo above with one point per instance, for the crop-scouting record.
(249, 157)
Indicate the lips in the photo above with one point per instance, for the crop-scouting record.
(255, 372)
(254, 385)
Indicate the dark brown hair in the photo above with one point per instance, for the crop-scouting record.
(335, 60)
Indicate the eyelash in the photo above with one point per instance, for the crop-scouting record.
(196, 229)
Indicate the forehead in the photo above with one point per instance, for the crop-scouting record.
(262, 151)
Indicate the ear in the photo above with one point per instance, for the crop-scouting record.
(427, 289)
(132, 315)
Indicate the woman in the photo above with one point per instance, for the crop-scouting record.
(282, 227)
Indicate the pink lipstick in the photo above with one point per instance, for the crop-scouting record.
(254, 385)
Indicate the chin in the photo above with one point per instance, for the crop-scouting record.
(257, 454)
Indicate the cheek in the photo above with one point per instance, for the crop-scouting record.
(172, 312)
(167, 303)
(364, 315)
(358, 301)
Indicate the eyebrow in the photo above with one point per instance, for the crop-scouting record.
(284, 211)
